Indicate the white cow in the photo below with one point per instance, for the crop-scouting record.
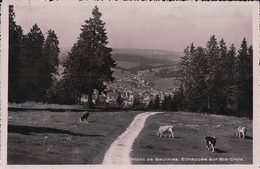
(241, 131)
(163, 130)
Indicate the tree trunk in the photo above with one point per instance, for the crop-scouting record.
(90, 101)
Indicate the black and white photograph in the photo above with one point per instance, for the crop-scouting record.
(130, 83)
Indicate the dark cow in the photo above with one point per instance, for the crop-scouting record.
(84, 117)
(210, 142)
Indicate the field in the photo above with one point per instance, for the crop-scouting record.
(166, 84)
(189, 143)
(44, 137)
(118, 73)
(127, 65)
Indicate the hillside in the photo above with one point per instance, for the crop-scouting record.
(149, 53)
(138, 59)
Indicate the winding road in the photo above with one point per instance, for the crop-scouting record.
(120, 149)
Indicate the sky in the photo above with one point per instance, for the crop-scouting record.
(166, 26)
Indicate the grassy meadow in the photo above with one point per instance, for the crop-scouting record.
(44, 137)
(191, 129)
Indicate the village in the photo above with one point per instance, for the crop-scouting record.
(130, 88)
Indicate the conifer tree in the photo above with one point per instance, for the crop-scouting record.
(244, 79)
(33, 71)
(222, 82)
(186, 79)
(199, 76)
(89, 63)
(120, 100)
(212, 52)
(51, 51)
(15, 38)
(230, 77)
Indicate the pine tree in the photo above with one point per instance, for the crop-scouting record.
(150, 105)
(199, 76)
(51, 51)
(212, 52)
(15, 38)
(222, 77)
(136, 104)
(230, 76)
(249, 89)
(186, 79)
(97, 102)
(89, 63)
(244, 79)
(164, 103)
(120, 100)
(33, 71)
(179, 98)
(157, 102)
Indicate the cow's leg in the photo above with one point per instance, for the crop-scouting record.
(213, 148)
(207, 145)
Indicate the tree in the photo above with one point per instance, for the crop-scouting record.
(15, 38)
(89, 63)
(212, 52)
(179, 98)
(98, 101)
(244, 79)
(120, 100)
(230, 76)
(186, 79)
(222, 77)
(164, 104)
(51, 52)
(150, 105)
(33, 71)
(157, 102)
(59, 93)
(199, 75)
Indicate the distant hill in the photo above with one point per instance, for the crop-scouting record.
(149, 53)
(137, 59)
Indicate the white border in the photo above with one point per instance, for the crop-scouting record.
(256, 87)
(4, 81)
(4, 89)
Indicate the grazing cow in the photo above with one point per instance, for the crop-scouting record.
(241, 131)
(164, 130)
(210, 142)
(84, 117)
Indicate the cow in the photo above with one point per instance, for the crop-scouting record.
(241, 131)
(210, 142)
(84, 117)
(165, 130)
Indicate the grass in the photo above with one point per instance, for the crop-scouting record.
(127, 64)
(118, 74)
(43, 137)
(189, 143)
(40, 105)
(166, 83)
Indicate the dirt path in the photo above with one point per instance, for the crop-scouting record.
(120, 149)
